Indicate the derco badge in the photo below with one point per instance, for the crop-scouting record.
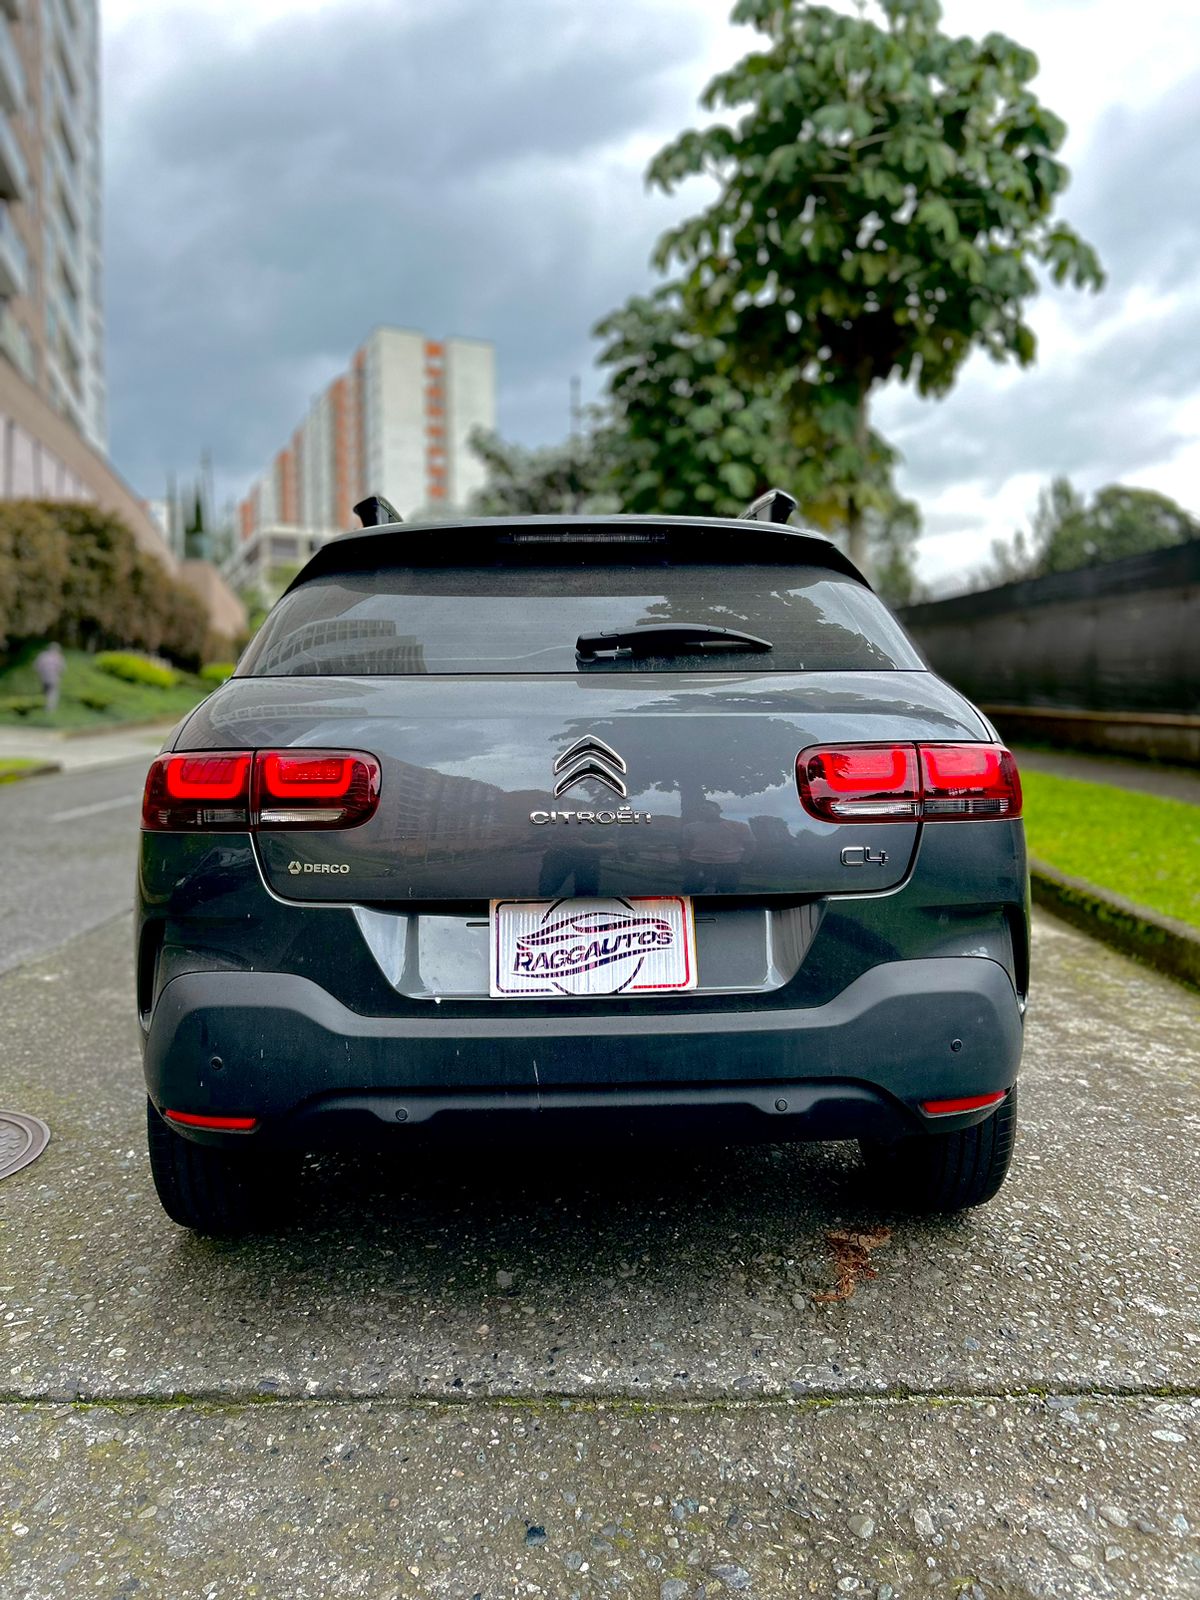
(297, 867)
(590, 760)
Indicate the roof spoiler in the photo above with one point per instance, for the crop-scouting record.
(774, 506)
(375, 512)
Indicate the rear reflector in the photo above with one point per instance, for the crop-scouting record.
(890, 782)
(217, 1124)
(223, 791)
(970, 1102)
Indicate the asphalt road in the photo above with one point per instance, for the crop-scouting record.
(66, 855)
(563, 1376)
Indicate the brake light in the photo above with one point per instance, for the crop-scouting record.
(889, 782)
(864, 782)
(209, 791)
(969, 780)
(314, 788)
(221, 791)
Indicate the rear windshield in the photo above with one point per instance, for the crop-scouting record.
(479, 619)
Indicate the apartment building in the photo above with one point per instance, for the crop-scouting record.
(397, 422)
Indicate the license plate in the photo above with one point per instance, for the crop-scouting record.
(565, 948)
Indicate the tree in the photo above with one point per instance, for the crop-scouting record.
(883, 200)
(686, 439)
(1119, 522)
(571, 477)
(1066, 532)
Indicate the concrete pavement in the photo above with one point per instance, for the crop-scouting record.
(541, 1374)
(78, 752)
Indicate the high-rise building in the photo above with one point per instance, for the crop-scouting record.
(397, 423)
(51, 306)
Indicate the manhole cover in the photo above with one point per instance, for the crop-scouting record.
(22, 1140)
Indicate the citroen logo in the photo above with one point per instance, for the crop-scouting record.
(590, 757)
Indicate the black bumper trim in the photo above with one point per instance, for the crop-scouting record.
(270, 1044)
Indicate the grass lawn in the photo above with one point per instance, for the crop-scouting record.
(14, 767)
(90, 698)
(1138, 845)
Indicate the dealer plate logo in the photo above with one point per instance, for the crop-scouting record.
(592, 947)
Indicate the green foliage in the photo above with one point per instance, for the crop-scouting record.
(14, 767)
(1114, 838)
(89, 696)
(883, 198)
(685, 438)
(217, 671)
(1067, 531)
(136, 669)
(567, 478)
(76, 573)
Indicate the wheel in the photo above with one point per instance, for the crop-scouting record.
(946, 1171)
(226, 1193)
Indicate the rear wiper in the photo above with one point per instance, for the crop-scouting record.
(665, 639)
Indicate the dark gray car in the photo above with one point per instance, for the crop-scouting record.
(600, 824)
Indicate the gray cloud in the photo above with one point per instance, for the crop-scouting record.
(451, 169)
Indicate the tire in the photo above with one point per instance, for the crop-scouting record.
(224, 1193)
(946, 1172)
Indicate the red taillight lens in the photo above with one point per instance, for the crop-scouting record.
(969, 780)
(887, 783)
(315, 788)
(218, 791)
(208, 791)
(865, 782)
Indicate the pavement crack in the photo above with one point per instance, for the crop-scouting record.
(628, 1404)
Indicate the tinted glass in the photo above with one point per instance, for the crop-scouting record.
(528, 618)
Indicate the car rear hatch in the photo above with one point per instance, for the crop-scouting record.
(522, 756)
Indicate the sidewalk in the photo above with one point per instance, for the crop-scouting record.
(73, 753)
(1171, 783)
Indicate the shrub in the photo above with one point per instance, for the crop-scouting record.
(137, 669)
(94, 700)
(20, 705)
(75, 573)
(217, 671)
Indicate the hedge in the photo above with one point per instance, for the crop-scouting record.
(75, 573)
(132, 668)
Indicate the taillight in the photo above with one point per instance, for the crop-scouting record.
(969, 780)
(860, 782)
(890, 782)
(314, 788)
(208, 791)
(232, 791)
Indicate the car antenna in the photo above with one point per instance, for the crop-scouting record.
(374, 511)
(776, 505)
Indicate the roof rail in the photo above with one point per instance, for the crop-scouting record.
(375, 512)
(776, 505)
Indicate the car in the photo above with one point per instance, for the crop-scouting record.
(607, 827)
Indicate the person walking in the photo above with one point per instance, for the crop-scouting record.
(50, 665)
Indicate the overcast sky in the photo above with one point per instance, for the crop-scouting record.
(282, 175)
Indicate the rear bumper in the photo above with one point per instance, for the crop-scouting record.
(280, 1048)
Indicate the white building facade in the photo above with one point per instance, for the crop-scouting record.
(398, 423)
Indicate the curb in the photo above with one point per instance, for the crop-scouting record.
(1161, 942)
(42, 769)
(146, 725)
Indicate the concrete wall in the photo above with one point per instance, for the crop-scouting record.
(1107, 658)
(1120, 637)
